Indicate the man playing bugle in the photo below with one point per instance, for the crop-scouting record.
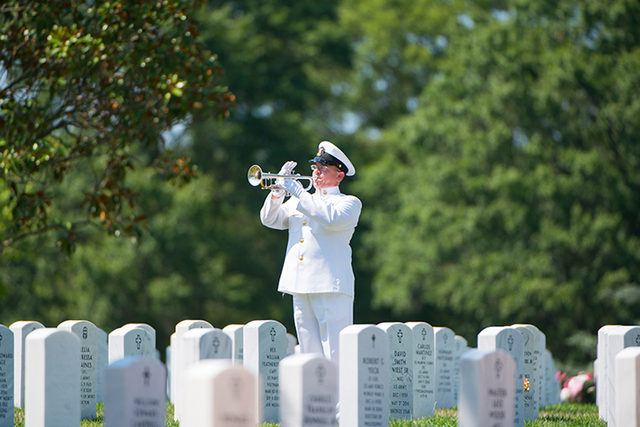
(317, 268)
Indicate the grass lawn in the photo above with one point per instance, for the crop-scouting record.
(566, 415)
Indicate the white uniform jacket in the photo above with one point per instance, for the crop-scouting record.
(320, 227)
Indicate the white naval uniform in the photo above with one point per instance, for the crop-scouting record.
(317, 268)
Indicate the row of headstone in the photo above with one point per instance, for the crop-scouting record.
(534, 366)
(258, 346)
(132, 383)
(393, 369)
(374, 378)
(617, 375)
(303, 390)
(138, 339)
(397, 370)
(59, 381)
(52, 365)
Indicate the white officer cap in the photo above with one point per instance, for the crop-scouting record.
(330, 155)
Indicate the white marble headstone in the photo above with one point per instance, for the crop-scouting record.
(600, 370)
(423, 369)
(265, 344)
(6, 377)
(178, 364)
(210, 343)
(542, 368)
(167, 353)
(103, 361)
(509, 340)
(199, 344)
(235, 333)
(150, 330)
(173, 347)
(627, 368)
(308, 391)
(363, 377)
(220, 393)
(618, 339)
(87, 332)
(135, 392)
(538, 354)
(531, 347)
(400, 365)
(445, 348)
(52, 378)
(461, 348)
(552, 387)
(130, 341)
(487, 389)
(20, 330)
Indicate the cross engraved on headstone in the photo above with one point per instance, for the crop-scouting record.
(147, 376)
(424, 334)
(638, 339)
(216, 344)
(399, 337)
(138, 341)
(85, 333)
(445, 337)
(373, 340)
(510, 341)
(272, 332)
(498, 367)
(321, 372)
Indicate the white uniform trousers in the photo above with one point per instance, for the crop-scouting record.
(319, 318)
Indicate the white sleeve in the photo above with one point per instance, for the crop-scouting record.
(275, 213)
(334, 216)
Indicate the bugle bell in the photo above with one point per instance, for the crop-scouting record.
(267, 180)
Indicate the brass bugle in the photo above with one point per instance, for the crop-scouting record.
(266, 180)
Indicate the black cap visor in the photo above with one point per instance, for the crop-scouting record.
(328, 160)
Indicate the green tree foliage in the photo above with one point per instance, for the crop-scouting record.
(204, 253)
(511, 194)
(85, 84)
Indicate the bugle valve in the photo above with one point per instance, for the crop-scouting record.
(266, 181)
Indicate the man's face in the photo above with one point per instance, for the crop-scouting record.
(326, 176)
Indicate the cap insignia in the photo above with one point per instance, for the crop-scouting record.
(320, 151)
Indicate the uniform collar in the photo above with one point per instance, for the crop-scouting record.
(330, 191)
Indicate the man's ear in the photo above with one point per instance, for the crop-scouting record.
(341, 176)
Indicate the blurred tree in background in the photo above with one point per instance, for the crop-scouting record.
(495, 143)
(85, 85)
(511, 193)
